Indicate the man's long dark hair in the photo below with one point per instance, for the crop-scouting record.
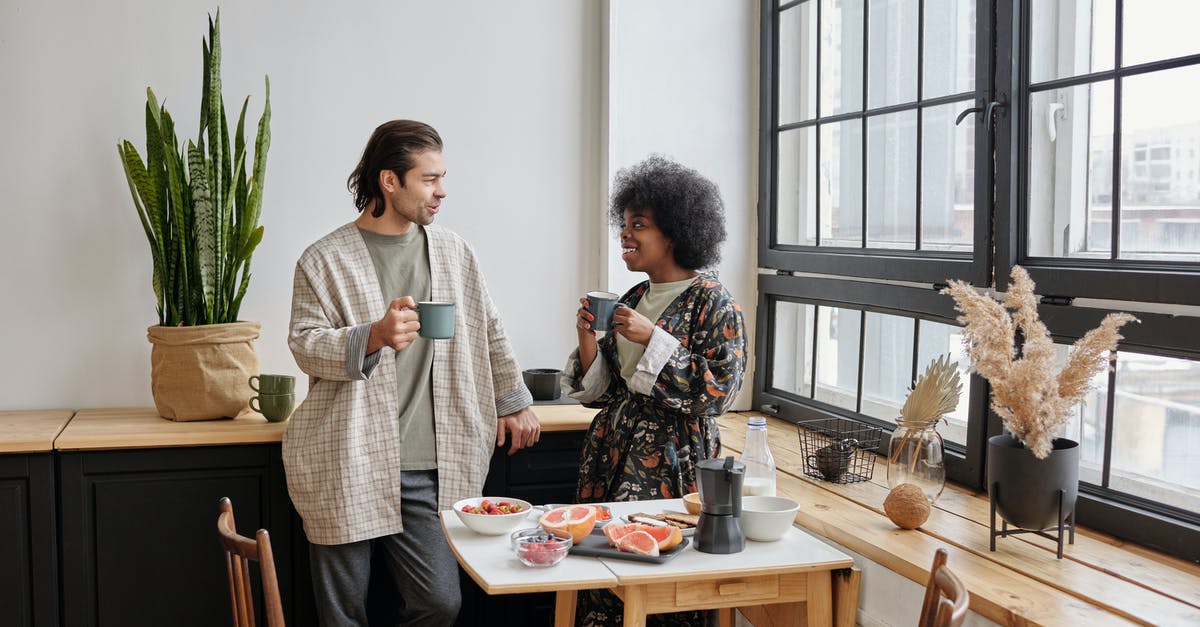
(391, 147)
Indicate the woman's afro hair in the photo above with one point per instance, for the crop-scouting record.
(685, 206)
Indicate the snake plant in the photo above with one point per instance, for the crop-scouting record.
(199, 207)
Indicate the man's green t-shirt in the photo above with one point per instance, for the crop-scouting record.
(402, 263)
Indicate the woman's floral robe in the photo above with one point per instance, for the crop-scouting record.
(647, 446)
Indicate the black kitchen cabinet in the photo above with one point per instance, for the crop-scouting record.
(138, 534)
(139, 540)
(28, 546)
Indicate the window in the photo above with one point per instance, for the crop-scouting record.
(873, 170)
(908, 142)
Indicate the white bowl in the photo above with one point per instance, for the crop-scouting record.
(767, 518)
(492, 524)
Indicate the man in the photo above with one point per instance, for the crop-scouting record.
(395, 427)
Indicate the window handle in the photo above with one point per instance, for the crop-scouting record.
(987, 112)
(1054, 112)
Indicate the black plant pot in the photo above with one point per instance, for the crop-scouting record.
(1025, 490)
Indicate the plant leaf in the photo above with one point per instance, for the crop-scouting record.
(138, 178)
(214, 112)
(262, 143)
(205, 230)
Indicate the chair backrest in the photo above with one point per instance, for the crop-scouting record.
(239, 552)
(946, 598)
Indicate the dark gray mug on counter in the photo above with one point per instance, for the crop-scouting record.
(543, 383)
(601, 305)
(832, 461)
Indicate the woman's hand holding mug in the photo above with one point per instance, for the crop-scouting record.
(632, 325)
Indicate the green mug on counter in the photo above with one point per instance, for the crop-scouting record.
(274, 407)
(273, 383)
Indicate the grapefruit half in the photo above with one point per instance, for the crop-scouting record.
(574, 521)
(668, 536)
(640, 542)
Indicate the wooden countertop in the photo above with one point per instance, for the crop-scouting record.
(564, 417)
(142, 427)
(1100, 580)
(31, 431)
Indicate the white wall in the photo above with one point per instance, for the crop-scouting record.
(517, 89)
(684, 83)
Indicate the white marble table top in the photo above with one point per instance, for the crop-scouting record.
(492, 563)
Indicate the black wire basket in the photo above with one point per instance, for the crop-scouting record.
(838, 450)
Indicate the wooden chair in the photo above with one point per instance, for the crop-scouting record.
(239, 552)
(946, 598)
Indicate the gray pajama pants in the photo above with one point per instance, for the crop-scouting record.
(420, 561)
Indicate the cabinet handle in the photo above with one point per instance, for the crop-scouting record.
(726, 589)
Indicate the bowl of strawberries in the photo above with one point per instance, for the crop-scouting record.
(492, 515)
(538, 548)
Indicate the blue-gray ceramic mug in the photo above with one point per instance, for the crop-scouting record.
(437, 320)
(602, 305)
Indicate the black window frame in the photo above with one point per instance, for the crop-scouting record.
(892, 264)
(964, 464)
(866, 279)
(1142, 281)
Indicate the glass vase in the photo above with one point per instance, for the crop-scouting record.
(915, 456)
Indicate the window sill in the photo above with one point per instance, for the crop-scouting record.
(1100, 579)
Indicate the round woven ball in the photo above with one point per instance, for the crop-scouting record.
(907, 506)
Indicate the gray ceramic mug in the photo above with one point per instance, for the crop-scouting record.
(832, 461)
(437, 320)
(543, 383)
(601, 305)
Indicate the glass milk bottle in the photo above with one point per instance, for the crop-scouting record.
(760, 465)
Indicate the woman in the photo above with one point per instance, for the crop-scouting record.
(673, 361)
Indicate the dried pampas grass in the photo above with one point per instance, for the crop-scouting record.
(1029, 397)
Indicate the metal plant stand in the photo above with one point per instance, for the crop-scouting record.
(1065, 522)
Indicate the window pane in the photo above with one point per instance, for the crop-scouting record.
(892, 180)
(796, 187)
(837, 356)
(949, 47)
(1072, 37)
(1159, 29)
(887, 364)
(892, 65)
(798, 63)
(937, 339)
(841, 184)
(1087, 423)
(791, 363)
(1070, 171)
(1156, 430)
(1160, 192)
(841, 56)
(947, 179)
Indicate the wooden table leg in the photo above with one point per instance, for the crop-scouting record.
(845, 596)
(727, 617)
(635, 606)
(820, 598)
(564, 608)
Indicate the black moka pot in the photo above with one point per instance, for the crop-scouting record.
(720, 526)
